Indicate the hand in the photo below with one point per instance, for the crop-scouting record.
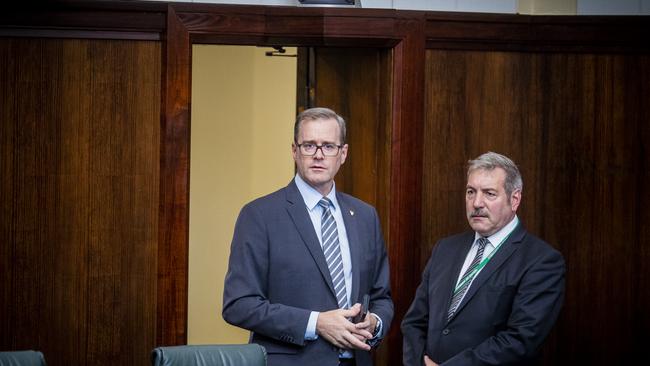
(369, 324)
(428, 362)
(335, 327)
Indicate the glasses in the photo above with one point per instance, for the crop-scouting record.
(309, 149)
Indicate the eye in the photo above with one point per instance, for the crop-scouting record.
(329, 147)
(308, 145)
(469, 192)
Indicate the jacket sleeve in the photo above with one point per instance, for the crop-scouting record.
(245, 299)
(416, 321)
(380, 295)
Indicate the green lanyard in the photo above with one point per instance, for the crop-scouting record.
(480, 266)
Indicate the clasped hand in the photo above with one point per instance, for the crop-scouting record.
(335, 327)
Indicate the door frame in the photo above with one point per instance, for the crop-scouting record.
(187, 24)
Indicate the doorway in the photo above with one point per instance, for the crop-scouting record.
(243, 106)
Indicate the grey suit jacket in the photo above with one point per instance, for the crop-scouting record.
(277, 275)
(506, 314)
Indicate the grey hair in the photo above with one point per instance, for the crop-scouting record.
(490, 161)
(313, 114)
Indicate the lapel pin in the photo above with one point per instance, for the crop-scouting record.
(351, 213)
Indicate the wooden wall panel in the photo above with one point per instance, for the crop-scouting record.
(354, 83)
(575, 125)
(80, 162)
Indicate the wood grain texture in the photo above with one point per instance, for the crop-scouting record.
(537, 33)
(574, 124)
(173, 221)
(84, 19)
(80, 142)
(349, 82)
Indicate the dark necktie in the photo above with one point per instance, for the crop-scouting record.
(467, 277)
(332, 251)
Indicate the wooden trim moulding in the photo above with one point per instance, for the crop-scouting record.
(537, 33)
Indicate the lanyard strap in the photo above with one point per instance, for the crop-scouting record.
(480, 266)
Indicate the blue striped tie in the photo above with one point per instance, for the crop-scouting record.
(458, 295)
(332, 251)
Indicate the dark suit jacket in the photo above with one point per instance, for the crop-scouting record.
(277, 275)
(506, 314)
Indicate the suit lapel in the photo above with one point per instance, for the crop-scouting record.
(507, 249)
(458, 259)
(351, 228)
(300, 216)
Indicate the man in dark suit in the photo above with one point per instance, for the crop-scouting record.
(489, 296)
(302, 255)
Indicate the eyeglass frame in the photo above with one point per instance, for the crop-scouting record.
(338, 148)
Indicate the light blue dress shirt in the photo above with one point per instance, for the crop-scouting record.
(311, 197)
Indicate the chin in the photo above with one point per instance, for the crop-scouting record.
(480, 229)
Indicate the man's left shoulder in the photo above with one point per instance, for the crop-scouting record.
(536, 244)
(355, 203)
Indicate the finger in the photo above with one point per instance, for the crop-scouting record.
(356, 343)
(364, 324)
(354, 310)
(363, 333)
(360, 337)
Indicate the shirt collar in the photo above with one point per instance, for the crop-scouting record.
(500, 235)
(311, 196)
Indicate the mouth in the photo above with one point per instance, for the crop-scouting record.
(478, 216)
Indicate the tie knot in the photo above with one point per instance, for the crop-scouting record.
(324, 202)
(482, 242)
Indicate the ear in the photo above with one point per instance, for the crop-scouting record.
(294, 151)
(515, 200)
(344, 153)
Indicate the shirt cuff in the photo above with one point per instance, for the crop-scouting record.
(310, 332)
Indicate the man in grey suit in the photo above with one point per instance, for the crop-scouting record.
(491, 295)
(301, 256)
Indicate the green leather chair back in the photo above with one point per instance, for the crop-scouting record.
(22, 358)
(210, 355)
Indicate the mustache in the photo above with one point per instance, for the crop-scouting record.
(478, 213)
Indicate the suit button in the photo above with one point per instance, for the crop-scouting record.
(445, 331)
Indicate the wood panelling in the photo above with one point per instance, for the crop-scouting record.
(84, 19)
(536, 33)
(353, 83)
(575, 124)
(173, 221)
(79, 144)
(79, 168)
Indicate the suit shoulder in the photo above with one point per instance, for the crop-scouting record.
(456, 238)
(269, 201)
(539, 245)
(355, 202)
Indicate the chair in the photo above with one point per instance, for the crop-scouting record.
(22, 358)
(210, 355)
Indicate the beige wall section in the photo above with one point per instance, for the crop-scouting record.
(243, 106)
(547, 7)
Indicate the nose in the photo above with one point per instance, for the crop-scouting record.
(478, 200)
(319, 153)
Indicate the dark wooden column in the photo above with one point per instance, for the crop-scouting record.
(173, 219)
